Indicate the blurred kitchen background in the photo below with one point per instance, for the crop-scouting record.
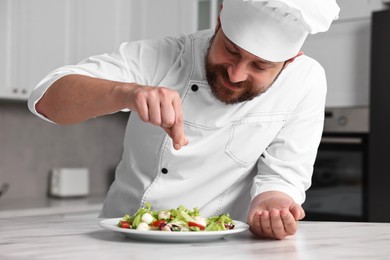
(36, 36)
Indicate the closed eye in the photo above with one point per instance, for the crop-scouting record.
(231, 50)
(257, 67)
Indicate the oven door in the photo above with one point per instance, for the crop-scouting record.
(339, 179)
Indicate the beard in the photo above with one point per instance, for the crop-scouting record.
(217, 73)
(246, 92)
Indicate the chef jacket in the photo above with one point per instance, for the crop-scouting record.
(235, 151)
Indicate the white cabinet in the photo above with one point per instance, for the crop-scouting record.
(344, 52)
(33, 43)
(40, 35)
(158, 18)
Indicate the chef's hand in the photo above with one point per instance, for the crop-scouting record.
(274, 215)
(161, 107)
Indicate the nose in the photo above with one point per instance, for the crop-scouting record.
(237, 72)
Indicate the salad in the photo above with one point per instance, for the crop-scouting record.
(179, 220)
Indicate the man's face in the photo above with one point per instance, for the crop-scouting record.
(235, 75)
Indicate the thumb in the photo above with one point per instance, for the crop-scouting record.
(297, 212)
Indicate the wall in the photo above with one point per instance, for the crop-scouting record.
(31, 147)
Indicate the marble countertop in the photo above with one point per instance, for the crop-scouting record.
(49, 205)
(78, 236)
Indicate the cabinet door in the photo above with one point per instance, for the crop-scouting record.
(32, 43)
(344, 52)
(156, 18)
(4, 43)
(96, 27)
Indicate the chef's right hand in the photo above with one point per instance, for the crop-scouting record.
(162, 107)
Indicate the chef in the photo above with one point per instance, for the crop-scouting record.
(227, 120)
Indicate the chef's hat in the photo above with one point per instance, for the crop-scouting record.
(275, 30)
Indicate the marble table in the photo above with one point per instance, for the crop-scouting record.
(49, 206)
(78, 236)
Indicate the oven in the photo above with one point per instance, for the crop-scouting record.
(339, 183)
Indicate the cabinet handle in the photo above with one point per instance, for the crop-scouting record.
(342, 140)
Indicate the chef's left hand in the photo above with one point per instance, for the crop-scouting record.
(274, 215)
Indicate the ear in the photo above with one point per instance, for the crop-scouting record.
(293, 58)
(219, 19)
(300, 53)
(218, 26)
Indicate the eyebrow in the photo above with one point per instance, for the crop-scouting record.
(259, 60)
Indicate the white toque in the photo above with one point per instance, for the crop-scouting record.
(275, 30)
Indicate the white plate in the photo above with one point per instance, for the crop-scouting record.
(163, 236)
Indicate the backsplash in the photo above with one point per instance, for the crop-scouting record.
(31, 147)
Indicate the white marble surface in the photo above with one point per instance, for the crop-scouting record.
(47, 206)
(78, 236)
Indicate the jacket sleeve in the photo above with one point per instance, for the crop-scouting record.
(143, 62)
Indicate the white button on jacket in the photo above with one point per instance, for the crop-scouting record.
(235, 151)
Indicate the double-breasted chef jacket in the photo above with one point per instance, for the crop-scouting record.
(235, 151)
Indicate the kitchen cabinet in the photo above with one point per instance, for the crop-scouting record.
(33, 42)
(344, 52)
(41, 35)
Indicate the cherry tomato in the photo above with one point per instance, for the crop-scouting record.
(124, 224)
(194, 224)
(158, 223)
